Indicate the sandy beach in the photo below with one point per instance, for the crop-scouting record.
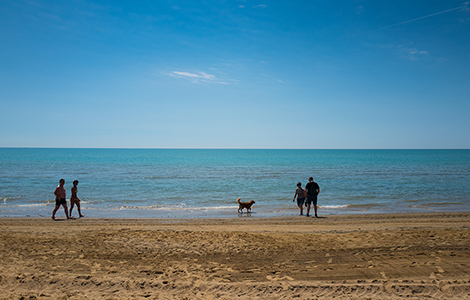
(388, 256)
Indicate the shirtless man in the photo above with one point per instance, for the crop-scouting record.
(74, 199)
(60, 199)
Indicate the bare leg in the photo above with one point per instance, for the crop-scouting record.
(301, 209)
(79, 211)
(66, 210)
(315, 209)
(71, 207)
(308, 210)
(54, 211)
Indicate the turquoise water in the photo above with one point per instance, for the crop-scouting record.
(185, 183)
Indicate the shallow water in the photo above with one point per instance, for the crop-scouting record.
(193, 183)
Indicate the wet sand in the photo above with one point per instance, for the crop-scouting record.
(388, 256)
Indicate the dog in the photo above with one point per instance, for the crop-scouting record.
(242, 205)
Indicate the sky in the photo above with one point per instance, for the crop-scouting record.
(345, 74)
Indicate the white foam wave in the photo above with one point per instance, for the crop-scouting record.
(175, 207)
(27, 205)
(332, 206)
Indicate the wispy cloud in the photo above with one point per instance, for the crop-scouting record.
(408, 52)
(464, 6)
(260, 6)
(201, 75)
(198, 77)
(415, 54)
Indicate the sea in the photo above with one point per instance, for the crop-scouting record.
(205, 183)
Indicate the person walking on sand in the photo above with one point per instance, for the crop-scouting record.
(313, 189)
(301, 195)
(60, 199)
(74, 200)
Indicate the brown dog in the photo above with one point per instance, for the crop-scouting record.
(242, 205)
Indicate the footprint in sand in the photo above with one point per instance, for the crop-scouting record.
(95, 268)
(279, 278)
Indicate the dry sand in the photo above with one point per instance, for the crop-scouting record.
(391, 256)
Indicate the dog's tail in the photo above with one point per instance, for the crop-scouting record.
(238, 200)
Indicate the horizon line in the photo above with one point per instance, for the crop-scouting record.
(225, 148)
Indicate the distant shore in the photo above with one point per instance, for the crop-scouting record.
(376, 256)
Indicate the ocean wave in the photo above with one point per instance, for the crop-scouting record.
(351, 206)
(436, 204)
(174, 207)
(332, 206)
(27, 205)
(368, 205)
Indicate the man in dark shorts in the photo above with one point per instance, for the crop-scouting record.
(60, 199)
(313, 189)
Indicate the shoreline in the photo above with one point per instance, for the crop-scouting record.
(291, 215)
(374, 256)
(221, 212)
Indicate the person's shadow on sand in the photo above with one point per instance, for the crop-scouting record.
(316, 217)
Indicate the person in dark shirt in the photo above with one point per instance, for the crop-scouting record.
(313, 189)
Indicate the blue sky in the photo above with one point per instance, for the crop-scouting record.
(235, 74)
